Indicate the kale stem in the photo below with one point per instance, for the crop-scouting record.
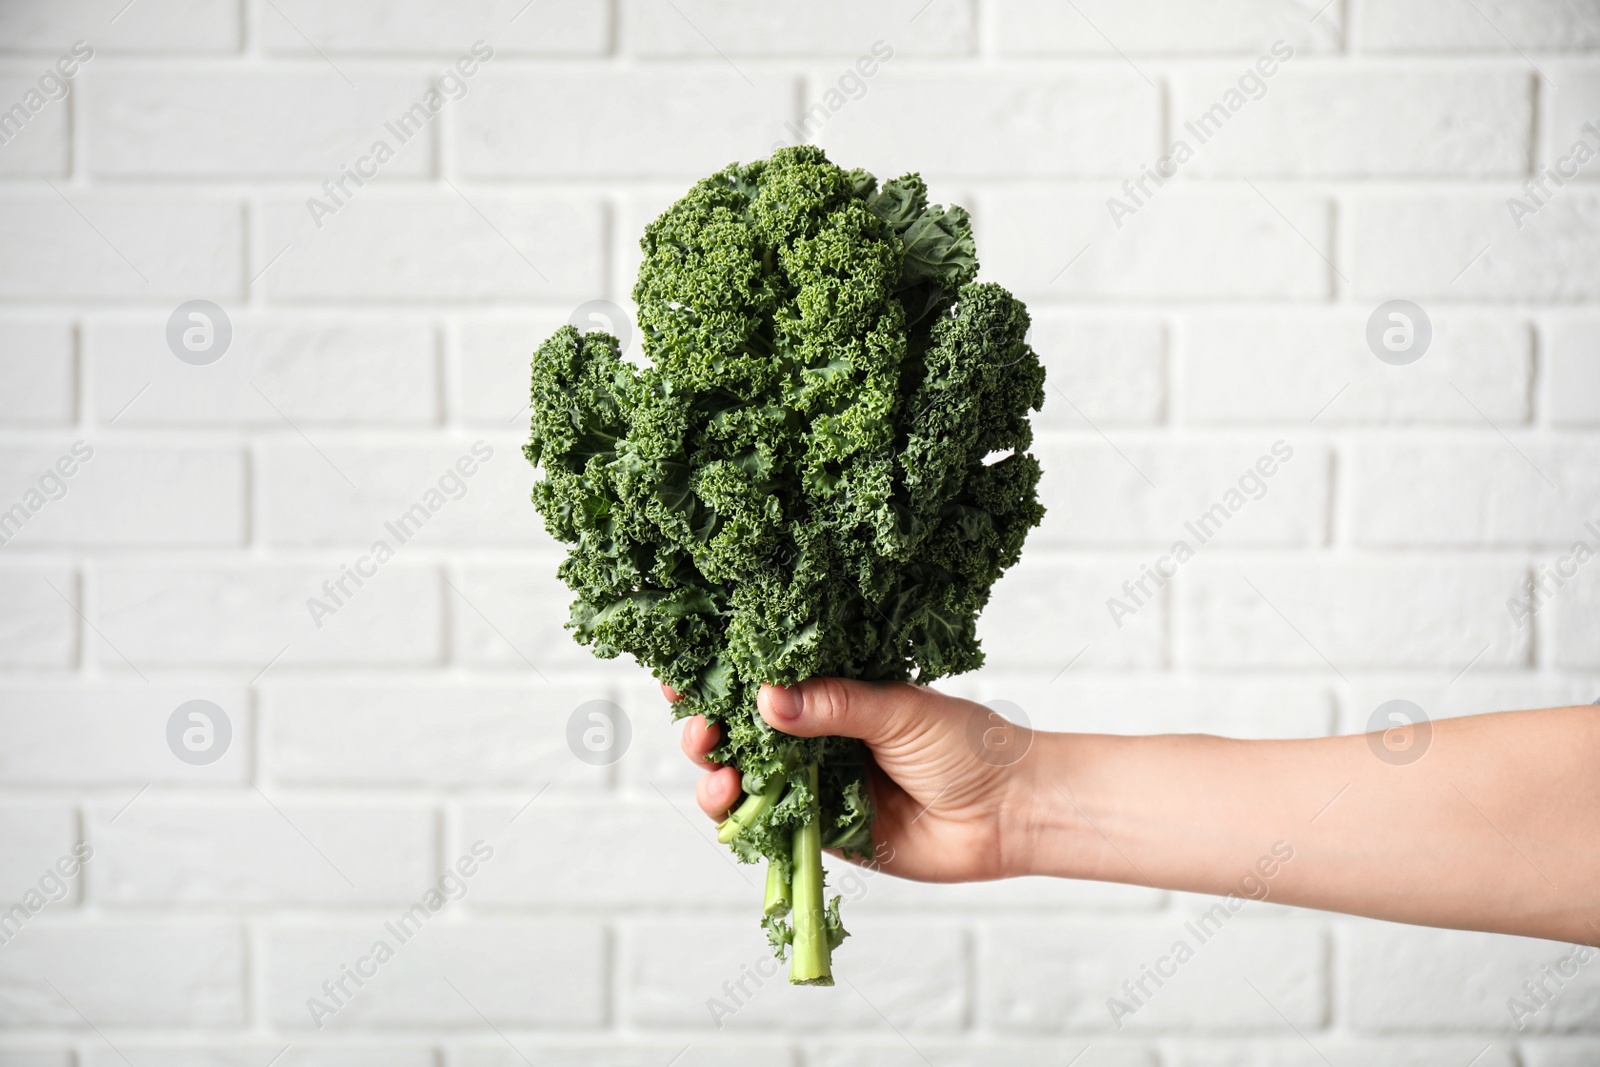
(777, 902)
(812, 960)
(752, 811)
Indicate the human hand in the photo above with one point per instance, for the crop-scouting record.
(1203, 814)
(942, 812)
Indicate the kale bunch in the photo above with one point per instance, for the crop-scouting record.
(822, 471)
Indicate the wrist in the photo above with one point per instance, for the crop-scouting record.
(1045, 829)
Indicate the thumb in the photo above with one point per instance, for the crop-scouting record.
(875, 712)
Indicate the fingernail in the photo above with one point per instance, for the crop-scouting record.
(784, 703)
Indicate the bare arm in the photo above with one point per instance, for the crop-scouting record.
(1496, 827)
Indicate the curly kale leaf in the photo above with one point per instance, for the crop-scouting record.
(822, 469)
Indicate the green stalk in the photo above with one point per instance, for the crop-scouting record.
(777, 901)
(811, 963)
(752, 811)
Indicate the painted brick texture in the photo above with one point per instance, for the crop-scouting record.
(415, 729)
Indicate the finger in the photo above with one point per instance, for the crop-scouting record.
(672, 695)
(716, 792)
(699, 738)
(875, 712)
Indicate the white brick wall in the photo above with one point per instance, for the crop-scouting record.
(1225, 312)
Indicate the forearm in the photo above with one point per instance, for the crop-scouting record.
(1496, 827)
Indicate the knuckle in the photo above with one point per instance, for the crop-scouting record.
(832, 699)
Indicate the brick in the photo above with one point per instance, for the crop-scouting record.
(1572, 107)
(1552, 1052)
(37, 138)
(1474, 494)
(1572, 347)
(559, 853)
(146, 247)
(492, 371)
(1049, 977)
(39, 627)
(438, 26)
(1189, 906)
(655, 757)
(977, 1053)
(1072, 596)
(1494, 26)
(617, 122)
(1232, 706)
(110, 974)
(1575, 614)
(100, 735)
(471, 245)
(867, 892)
(170, 26)
(1319, 1050)
(513, 617)
(1147, 494)
(1355, 122)
(128, 494)
(702, 28)
(40, 386)
(1314, 364)
(425, 714)
(915, 975)
(1422, 246)
(633, 1053)
(1378, 614)
(408, 496)
(1036, 124)
(1472, 976)
(36, 1057)
(1106, 370)
(246, 615)
(304, 124)
(1471, 695)
(510, 972)
(1103, 27)
(304, 369)
(257, 1055)
(32, 838)
(1183, 243)
(442, 735)
(252, 848)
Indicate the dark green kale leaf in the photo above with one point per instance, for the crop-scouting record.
(822, 470)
